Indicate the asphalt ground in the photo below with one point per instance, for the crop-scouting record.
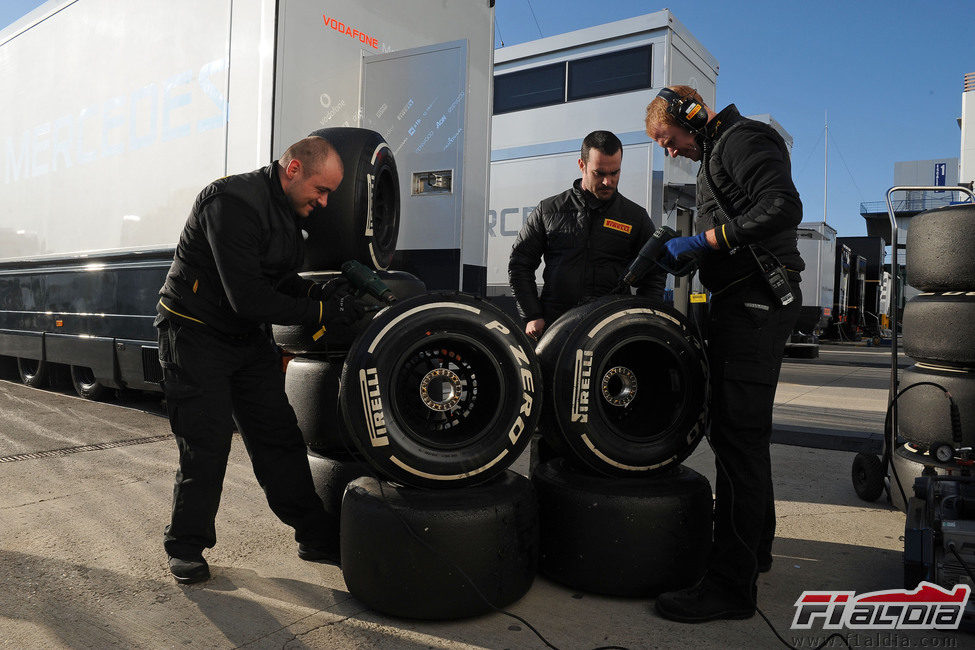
(86, 490)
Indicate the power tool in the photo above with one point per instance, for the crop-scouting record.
(364, 280)
(653, 252)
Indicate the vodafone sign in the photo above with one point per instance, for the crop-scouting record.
(351, 32)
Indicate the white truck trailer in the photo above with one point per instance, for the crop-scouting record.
(549, 93)
(817, 246)
(116, 114)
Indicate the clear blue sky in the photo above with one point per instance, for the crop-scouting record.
(889, 74)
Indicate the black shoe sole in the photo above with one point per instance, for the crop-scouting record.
(726, 615)
(189, 580)
(319, 558)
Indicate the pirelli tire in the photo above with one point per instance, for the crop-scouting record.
(33, 372)
(297, 339)
(439, 554)
(628, 537)
(626, 386)
(86, 386)
(939, 249)
(938, 328)
(331, 474)
(361, 219)
(924, 415)
(312, 387)
(441, 390)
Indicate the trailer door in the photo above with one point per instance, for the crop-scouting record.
(416, 99)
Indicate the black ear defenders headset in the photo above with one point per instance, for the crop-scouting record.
(689, 114)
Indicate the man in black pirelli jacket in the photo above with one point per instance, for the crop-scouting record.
(234, 272)
(587, 235)
(745, 246)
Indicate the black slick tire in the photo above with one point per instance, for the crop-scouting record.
(939, 249)
(439, 554)
(901, 473)
(85, 384)
(331, 474)
(33, 372)
(441, 390)
(626, 386)
(868, 476)
(361, 220)
(338, 337)
(312, 387)
(631, 537)
(924, 414)
(938, 328)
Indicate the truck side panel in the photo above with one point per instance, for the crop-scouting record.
(323, 52)
(105, 146)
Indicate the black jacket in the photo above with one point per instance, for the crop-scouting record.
(751, 171)
(587, 245)
(236, 263)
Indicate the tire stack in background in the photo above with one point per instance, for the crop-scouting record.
(412, 416)
(626, 401)
(938, 337)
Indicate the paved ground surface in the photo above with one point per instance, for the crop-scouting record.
(86, 490)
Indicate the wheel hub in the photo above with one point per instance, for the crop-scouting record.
(619, 386)
(441, 389)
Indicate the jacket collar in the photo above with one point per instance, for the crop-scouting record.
(277, 192)
(589, 199)
(722, 122)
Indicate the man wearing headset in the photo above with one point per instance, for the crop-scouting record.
(745, 248)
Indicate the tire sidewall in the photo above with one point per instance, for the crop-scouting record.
(372, 393)
(590, 335)
(354, 224)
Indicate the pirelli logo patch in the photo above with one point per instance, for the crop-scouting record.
(616, 225)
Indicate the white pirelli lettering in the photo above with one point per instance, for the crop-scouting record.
(580, 386)
(372, 406)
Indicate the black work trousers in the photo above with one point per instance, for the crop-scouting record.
(210, 382)
(747, 331)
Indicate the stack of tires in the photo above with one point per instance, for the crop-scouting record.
(360, 222)
(626, 401)
(936, 409)
(412, 417)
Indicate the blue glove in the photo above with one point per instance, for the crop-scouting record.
(683, 245)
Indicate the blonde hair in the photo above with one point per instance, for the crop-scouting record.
(657, 114)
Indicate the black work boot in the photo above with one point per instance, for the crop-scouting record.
(189, 571)
(325, 554)
(705, 601)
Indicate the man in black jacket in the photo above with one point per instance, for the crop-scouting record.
(748, 210)
(588, 235)
(234, 273)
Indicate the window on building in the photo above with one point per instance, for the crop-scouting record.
(608, 74)
(542, 86)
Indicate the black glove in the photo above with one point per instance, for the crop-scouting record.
(341, 307)
(325, 290)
